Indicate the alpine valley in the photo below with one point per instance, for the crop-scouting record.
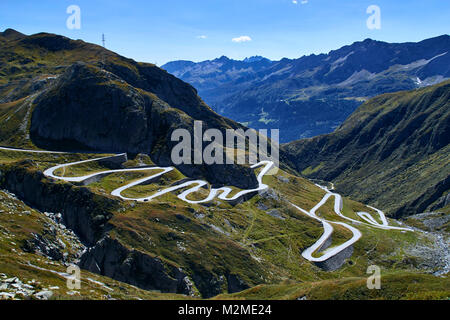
(86, 176)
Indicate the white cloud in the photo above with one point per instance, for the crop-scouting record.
(202, 37)
(241, 39)
(294, 1)
(304, 1)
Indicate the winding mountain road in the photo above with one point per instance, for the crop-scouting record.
(223, 194)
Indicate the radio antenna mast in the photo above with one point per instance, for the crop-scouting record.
(103, 53)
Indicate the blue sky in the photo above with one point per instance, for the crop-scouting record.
(161, 31)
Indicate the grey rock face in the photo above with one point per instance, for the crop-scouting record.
(39, 244)
(14, 288)
(442, 202)
(269, 194)
(433, 221)
(336, 261)
(110, 258)
(44, 295)
(95, 109)
(261, 206)
(435, 257)
(275, 213)
(236, 284)
(283, 179)
(76, 204)
(92, 109)
(107, 256)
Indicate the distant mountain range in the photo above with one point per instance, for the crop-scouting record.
(211, 74)
(314, 94)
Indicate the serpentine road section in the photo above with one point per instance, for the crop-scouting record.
(324, 240)
(223, 194)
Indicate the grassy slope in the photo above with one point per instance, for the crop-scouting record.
(243, 239)
(17, 224)
(390, 153)
(394, 286)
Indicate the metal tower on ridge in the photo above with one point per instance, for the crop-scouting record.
(103, 52)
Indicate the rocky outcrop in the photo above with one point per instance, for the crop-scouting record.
(82, 211)
(41, 245)
(14, 288)
(92, 109)
(113, 104)
(236, 284)
(434, 257)
(55, 241)
(441, 202)
(87, 215)
(95, 109)
(112, 259)
(109, 257)
(211, 284)
(429, 196)
(336, 261)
